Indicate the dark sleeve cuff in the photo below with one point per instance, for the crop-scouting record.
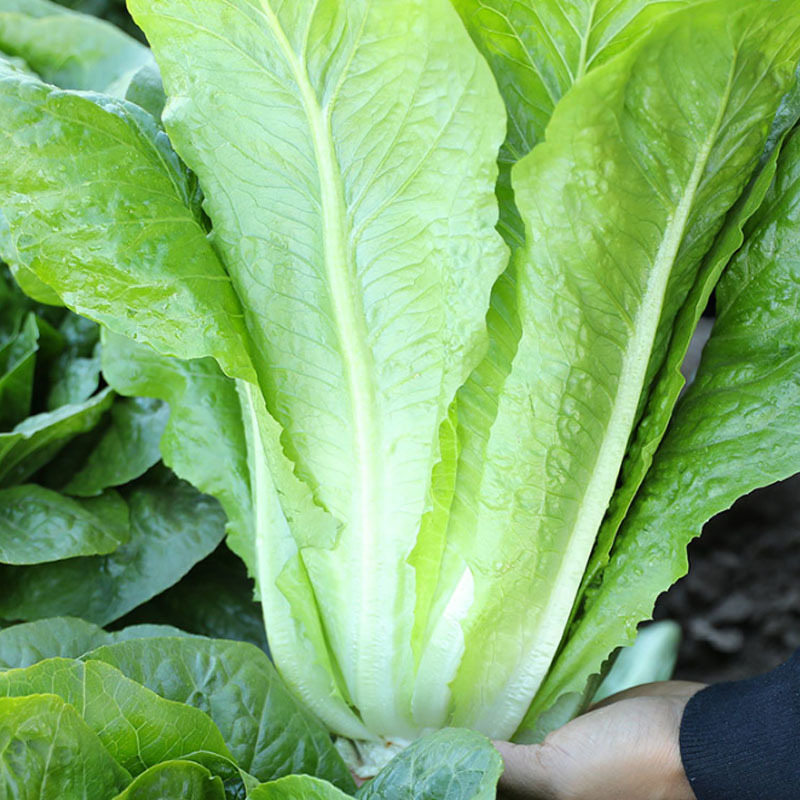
(741, 740)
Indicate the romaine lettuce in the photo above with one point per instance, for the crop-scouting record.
(416, 428)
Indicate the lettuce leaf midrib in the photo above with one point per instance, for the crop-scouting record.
(595, 494)
(580, 71)
(351, 329)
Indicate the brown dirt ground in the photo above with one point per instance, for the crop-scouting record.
(739, 606)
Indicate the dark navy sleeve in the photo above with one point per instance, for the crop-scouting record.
(741, 740)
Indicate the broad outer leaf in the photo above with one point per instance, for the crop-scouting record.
(210, 416)
(175, 780)
(136, 726)
(66, 637)
(215, 599)
(17, 362)
(38, 525)
(668, 383)
(96, 204)
(74, 375)
(269, 733)
(294, 786)
(38, 439)
(353, 206)
(735, 429)
(14, 306)
(147, 90)
(172, 528)
(127, 449)
(48, 751)
(537, 50)
(451, 764)
(67, 49)
(649, 153)
(204, 440)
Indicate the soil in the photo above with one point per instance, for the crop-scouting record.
(739, 606)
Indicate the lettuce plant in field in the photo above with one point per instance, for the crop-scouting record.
(422, 338)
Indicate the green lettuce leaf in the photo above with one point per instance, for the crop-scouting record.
(127, 449)
(293, 786)
(175, 780)
(38, 439)
(268, 732)
(146, 244)
(68, 49)
(732, 432)
(65, 637)
(49, 751)
(172, 527)
(137, 727)
(537, 50)
(597, 303)
(669, 382)
(451, 764)
(38, 525)
(373, 273)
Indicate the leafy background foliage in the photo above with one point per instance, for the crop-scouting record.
(90, 524)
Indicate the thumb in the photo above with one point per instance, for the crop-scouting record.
(526, 775)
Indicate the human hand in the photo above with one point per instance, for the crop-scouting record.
(624, 748)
